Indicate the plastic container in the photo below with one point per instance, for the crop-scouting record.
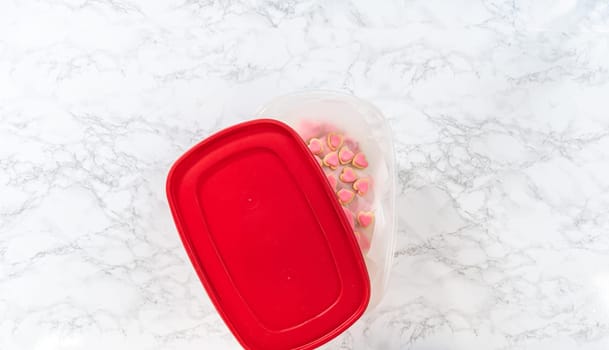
(292, 239)
(365, 124)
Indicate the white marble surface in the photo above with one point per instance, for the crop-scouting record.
(501, 115)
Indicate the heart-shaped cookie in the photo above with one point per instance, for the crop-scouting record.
(361, 186)
(332, 181)
(348, 175)
(316, 146)
(319, 161)
(349, 215)
(365, 218)
(334, 141)
(362, 241)
(360, 161)
(345, 196)
(331, 160)
(345, 155)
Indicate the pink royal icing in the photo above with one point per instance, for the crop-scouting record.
(360, 161)
(316, 146)
(348, 175)
(331, 160)
(361, 186)
(345, 196)
(345, 155)
(334, 141)
(365, 218)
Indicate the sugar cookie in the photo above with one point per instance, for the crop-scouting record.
(345, 196)
(365, 218)
(360, 161)
(348, 175)
(345, 155)
(361, 186)
(334, 141)
(331, 160)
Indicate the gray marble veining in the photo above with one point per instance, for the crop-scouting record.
(500, 112)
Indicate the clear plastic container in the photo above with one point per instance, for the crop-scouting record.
(365, 124)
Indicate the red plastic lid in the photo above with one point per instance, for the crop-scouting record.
(267, 237)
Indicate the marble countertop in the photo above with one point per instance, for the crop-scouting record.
(500, 112)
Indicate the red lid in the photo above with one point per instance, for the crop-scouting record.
(268, 238)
